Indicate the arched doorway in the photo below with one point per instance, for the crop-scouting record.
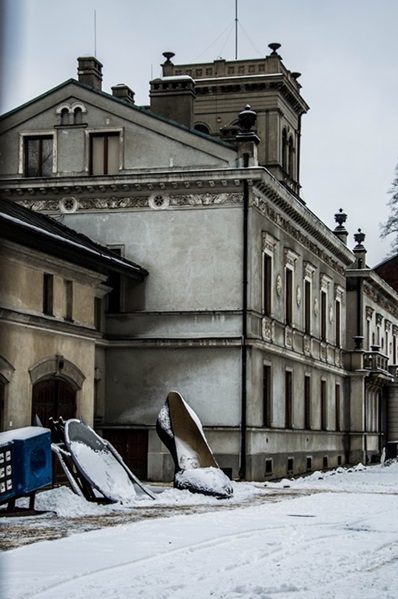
(53, 398)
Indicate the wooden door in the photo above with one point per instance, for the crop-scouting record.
(53, 398)
(132, 444)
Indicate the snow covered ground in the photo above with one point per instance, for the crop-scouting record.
(334, 536)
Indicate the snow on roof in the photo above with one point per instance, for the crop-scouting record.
(40, 224)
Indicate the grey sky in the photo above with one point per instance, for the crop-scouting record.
(346, 50)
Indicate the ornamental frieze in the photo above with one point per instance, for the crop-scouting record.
(70, 204)
(380, 300)
(287, 225)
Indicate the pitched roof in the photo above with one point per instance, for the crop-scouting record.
(43, 233)
(123, 102)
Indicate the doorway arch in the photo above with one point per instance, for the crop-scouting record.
(53, 398)
(55, 383)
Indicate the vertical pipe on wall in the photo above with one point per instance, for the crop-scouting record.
(242, 470)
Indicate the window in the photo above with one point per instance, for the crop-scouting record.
(97, 313)
(291, 156)
(338, 407)
(288, 399)
(267, 396)
(289, 296)
(268, 466)
(323, 315)
(202, 128)
(104, 153)
(38, 156)
(267, 284)
(48, 290)
(307, 402)
(284, 150)
(68, 289)
(77, 116)
(307, 307)
(338, 322)
(65, 116)
(324, 406)
(115, 281)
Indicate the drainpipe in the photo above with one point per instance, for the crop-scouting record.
(247, 142)
(360, 255)
(243, 440)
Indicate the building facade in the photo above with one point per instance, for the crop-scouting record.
(52, 283)
(244, 309)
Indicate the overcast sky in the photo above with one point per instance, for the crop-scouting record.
(346, 50)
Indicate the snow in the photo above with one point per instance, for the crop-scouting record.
(104, 472)
(331, 535)
(210, 481)
(27, 432)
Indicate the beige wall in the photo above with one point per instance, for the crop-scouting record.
(28, 337)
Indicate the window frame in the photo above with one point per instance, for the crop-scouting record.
(106, 133)
(24, 138)
(267, 396)
(288, 399)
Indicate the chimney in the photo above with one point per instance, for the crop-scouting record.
(124, 92)
(174, 98)
(89, 71)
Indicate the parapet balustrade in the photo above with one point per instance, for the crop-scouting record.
(374, 359)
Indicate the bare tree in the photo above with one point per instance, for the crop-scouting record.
(390, 227)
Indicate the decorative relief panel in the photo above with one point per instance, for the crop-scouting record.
(267, 329)
(298, 296)
(323, 352)
(114, 202)
(307, 345)
(278, 284)
(316, 306)
(288, 337)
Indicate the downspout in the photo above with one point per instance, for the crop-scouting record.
(247, 142)
(243, 439)
(360, 254)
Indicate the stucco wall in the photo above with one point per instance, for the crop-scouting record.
(138, 383)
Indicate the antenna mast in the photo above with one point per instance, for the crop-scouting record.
(95, 34)
(236, 29)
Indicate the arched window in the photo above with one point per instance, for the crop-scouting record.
(77, 116)
(202, 128)
(64, 116)
(52, 398)
(284, 150)
(290, 157)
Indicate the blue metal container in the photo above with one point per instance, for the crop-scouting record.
(7, 472)
(31, 458)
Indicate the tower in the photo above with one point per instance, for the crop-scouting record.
(223, 88)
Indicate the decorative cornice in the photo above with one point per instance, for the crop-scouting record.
(290, 257)
(289, 219)
(377, 297)
(269, 242)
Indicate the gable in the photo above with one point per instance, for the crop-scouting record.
(72, 115)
